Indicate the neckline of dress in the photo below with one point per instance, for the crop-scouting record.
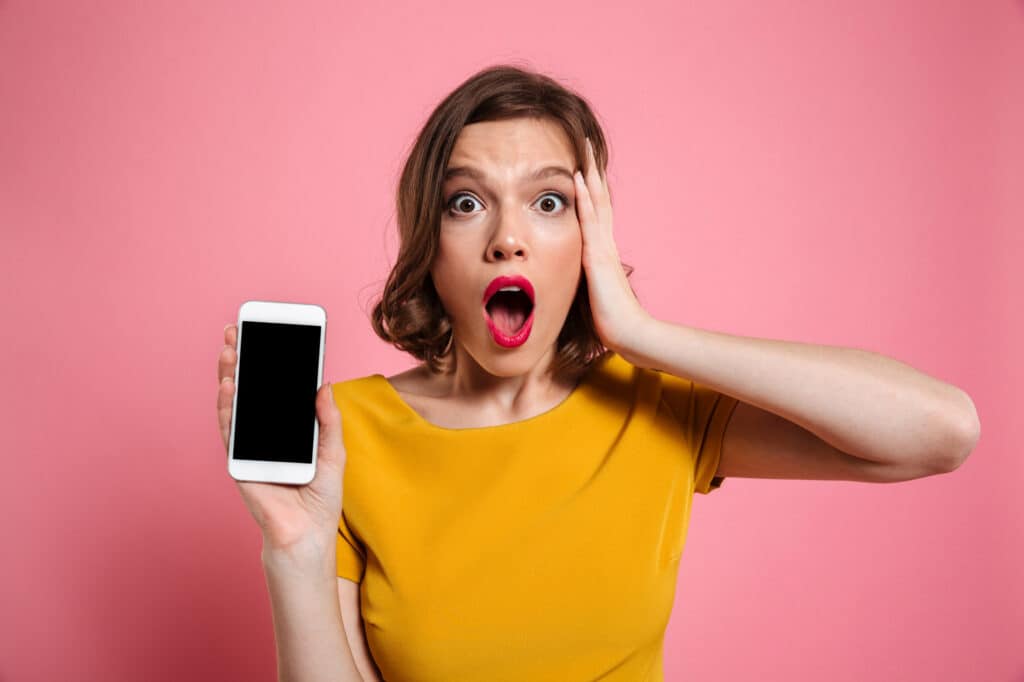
(563, 406)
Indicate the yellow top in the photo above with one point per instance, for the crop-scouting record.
(544, 549)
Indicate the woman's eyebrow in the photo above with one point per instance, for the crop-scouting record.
(469, 171)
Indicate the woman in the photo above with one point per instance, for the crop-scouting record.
(516, 506)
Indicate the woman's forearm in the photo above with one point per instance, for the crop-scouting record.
(863, 403)
(308, 629)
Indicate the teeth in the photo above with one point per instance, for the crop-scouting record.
(510, 289)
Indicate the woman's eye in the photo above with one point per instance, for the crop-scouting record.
(465, 201)
(460, 200)
(545, 201)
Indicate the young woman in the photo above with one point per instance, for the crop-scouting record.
(515, 507)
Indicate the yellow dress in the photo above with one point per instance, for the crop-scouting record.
(544, 549)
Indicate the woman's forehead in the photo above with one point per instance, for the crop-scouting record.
(515, 142)
(530, 174)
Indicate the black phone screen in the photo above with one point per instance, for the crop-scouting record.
(275, 410)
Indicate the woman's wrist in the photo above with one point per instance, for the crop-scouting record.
(312, 552)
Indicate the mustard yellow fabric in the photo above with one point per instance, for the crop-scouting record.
(545, 549)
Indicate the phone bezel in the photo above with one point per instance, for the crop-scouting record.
(287, 313)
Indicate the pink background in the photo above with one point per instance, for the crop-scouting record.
(847, 175)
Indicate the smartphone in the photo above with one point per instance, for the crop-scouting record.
(274, 429)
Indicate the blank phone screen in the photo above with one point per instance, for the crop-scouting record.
(275, 410)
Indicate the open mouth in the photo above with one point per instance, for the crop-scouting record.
(508, 311)
(508, 305)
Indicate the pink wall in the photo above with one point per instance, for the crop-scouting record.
(849, 175)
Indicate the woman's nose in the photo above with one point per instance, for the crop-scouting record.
(509, 238)
(505, 251)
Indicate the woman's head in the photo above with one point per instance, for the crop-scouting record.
(469, 210)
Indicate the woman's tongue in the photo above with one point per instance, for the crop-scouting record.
(507, 318)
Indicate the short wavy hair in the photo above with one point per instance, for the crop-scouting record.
(409, 314)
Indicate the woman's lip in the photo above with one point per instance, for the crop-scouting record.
(509, 281)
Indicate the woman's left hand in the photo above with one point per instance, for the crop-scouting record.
(616, 311)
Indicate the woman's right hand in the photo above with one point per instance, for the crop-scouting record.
(291, 516)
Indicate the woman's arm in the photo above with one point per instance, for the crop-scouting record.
(308, 630)
(860, 403)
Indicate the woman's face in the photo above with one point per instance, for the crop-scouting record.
(499, 219)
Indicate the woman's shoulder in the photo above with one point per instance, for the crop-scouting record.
(412, 385)
(416, 380)
(355, 387)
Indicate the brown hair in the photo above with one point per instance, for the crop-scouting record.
(409, 314)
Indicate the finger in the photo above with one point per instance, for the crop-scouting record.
(225, 399)
(584, 203)
(226, 360)
(596, 183)
(226, 363)
(226, 382)
(595, 180)
(331, 447)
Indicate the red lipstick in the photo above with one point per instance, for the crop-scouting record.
(519, 337)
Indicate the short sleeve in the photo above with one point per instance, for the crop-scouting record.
(351, 556)
(703, 414)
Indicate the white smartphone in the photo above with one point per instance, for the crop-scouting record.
(274, 429)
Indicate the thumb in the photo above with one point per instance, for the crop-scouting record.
(331, 447)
